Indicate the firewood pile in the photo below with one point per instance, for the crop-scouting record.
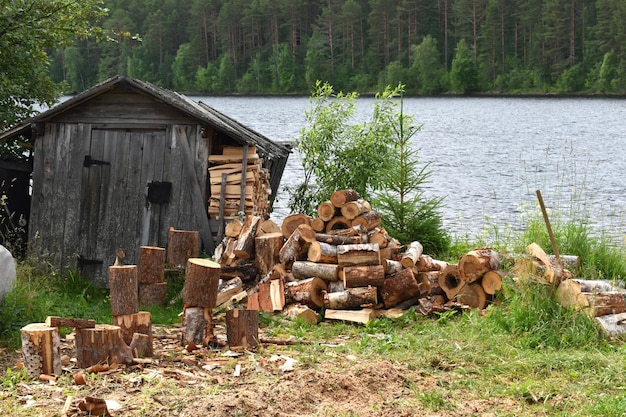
(230, 174)
(344, 262)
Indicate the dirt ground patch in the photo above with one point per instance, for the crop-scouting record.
(273, 381)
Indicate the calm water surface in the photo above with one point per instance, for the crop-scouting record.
(489, 155)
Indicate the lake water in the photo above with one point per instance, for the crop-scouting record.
(489, 155)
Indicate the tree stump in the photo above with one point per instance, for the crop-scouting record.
(130, 324)
(152, 294)
(197, 326)
(41, 348)
(123, 289)
(101, 344)
(309, 292)
(182, 245)
(151, 265)
(201, 282)
(242, 328)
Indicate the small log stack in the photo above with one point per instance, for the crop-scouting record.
(230, 173)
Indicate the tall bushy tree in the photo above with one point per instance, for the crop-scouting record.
(427, 69)
(463, 75)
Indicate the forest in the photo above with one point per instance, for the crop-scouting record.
(283, 46)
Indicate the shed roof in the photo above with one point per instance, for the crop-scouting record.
(197, 110)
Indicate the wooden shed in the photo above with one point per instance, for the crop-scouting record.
(119, 164)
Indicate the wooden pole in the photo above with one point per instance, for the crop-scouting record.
(547, 220)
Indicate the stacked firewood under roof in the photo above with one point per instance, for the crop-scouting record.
(228, 182)
(344, 262)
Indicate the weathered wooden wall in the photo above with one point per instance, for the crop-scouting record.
(88, 211)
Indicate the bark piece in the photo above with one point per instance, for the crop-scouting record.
(472, 295)
(303, 270)
(476, 263)
(267, 249)
(292, 221)
(54, 321)
(363, 276)
(412, 254)
(369, 220)
(152, 294)
(341, 197)
(123, 289)
(362, 316)
(301, 312)
(450, 281)
(201, 283)
(41, 349)
(271, 295)
(182, 245)
(242, 328)
(322, 252)
(297, 245)
(399, 287)
(351, 298)
(151, 265)
(309, 292)
(360, 254)
(101, 344)
(197, 326)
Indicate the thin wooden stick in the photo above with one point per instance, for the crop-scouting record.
(545, 218)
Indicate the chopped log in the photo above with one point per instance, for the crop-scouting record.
(427, 263)
(41, 349)
(318, 224)
(267, 226)
(182, 245)
(244, 248)
(304, 269)
(491, 282)
(391, 266)
(472, 295)
(201, 282)
(359, 254)
(362, 316)
(331, 239)
(292, 221)
(337, 223)
(327, 211)
(450, 281)
(123, 289)
(412, 254)
(431, 303)
(54, 321)
(267, 248)
(393, 251)
(369, 220)
(197, 326)
(152, 294)
(271, 295)
(297, 245)
(432, 277)
(242, 328)
(280, 271)
(130, 324)
(363, 276)
(141, 346)
(614, 325)
(237, 298)
(322, 252)
(94, 406)
(253, 301)
(309, 292)
(101, 344)
(423, 282)
(399, 287)
(341, 197)
(248, 272)
(301, 312)
(476, 263)
(379, 236)
(224, 254)
(352, 209)
(350, 231)
(335, 286)
(233, 228)
(351, 298)
(151, 265)
(232, 287)
(596, 298)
